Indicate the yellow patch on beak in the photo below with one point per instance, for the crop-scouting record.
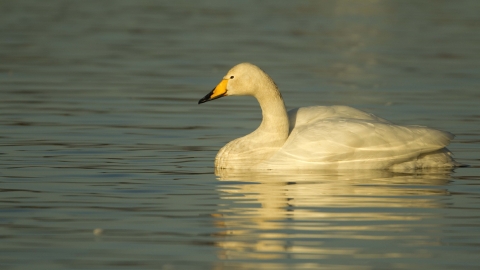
(220, 90)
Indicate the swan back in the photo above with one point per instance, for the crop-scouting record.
(302, 116)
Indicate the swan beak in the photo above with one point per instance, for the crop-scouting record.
(217, 92)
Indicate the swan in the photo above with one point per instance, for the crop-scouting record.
(322, 137)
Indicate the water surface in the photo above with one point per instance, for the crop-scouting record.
(106, 160)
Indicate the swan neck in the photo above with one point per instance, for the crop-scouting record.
(275, 119)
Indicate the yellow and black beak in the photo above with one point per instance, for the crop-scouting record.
(217, 92)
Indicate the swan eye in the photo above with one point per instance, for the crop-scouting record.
(231, 77)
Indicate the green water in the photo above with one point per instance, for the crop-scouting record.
(106, 160)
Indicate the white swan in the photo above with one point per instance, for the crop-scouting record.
(322, 137)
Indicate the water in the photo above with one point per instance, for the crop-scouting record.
(106, 160)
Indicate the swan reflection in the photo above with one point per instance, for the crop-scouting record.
(279, 215)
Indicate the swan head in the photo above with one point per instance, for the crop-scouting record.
(244, 79)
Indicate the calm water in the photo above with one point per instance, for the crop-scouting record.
(106, 160)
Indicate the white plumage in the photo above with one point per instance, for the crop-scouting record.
(322, 137)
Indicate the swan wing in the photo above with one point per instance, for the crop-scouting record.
(345, 137)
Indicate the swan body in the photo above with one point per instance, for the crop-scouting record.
(322, 137)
